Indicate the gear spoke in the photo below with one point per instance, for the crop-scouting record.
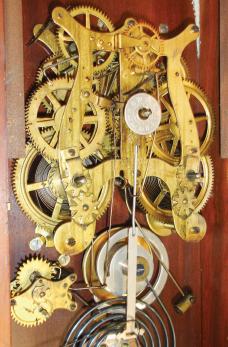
(45, 122)
(36, 186)
(83, 141)
(165, 146)
(56, 104)
(164, 127)
(57, 208)
(90, 120)
(87, 21)
(54, 139)
(174, 146)
(160, 197)
(201, 117)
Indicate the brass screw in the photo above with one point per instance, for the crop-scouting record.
(195, 29)
(85, 207)
(71, 242)
(196, 230)
(79, 180)
(42, 294)
(72, 278)
(194, 150)
(73, 307)
(71, 151)
(86, 93)
(163, 28)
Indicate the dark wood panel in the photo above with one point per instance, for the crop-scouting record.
(224, 77)
(214, 263)
(185, 259)
(14, 78)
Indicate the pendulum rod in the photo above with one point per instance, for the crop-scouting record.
(132, 259)
(155, 252)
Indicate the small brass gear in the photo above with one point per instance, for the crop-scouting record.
(86, 209)
(143, 57)
(38, 189)
(38, 119)
(26, 315)
(92, 19)
(155, 198)
(90, 207)
(167, 145)
(33, 268)
(183, 201)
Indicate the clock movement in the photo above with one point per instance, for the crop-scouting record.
(111, 109)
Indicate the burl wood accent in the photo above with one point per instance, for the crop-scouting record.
(201, 266)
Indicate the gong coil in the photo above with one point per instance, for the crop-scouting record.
(107, 321)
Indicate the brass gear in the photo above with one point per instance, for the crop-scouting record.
(155, 198)
(183, 201)
(56, 68)
(143, 58)
(25, 315)
(103, 24)
(167, 145)
(90, 208)
(33, 268)
(86, 210)
(37, 119)
(38, 189)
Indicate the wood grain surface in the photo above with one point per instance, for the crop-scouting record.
(202, 267)
(14, 78)
(224, 77)
(5, 321)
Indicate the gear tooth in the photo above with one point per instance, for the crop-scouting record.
(104, 18)
(27, 267)
(35, 137)
(199, 94)
(209, 189)
(40, 75)
(139, 64)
